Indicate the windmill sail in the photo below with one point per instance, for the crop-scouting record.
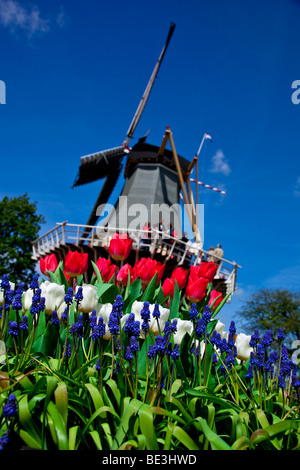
(84, 175)
(107, 163)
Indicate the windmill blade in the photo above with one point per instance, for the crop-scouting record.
(92, 166)
(145, 96)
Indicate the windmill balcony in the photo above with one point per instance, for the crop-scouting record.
(94, 240)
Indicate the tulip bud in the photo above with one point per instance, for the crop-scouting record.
(120, 246)
(122, 276)
(196, 289)
(76, 263)
(49, 263)
(180, 274)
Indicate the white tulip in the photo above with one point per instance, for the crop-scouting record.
(54, 296)
(183, 327)
(220, 328)
(242, 346)
(61, 309)
(12, 287)
(90, 298)
(155, 326)
(104, 311)
(27, 299)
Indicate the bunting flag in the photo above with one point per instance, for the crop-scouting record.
(208, 186)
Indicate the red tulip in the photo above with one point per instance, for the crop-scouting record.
(122, 276)
(168, 287)
(106, 268)
(146, 268)
(76, 263)
(207, 270)
(180, 275)
(120, 246)
(213, 295)
(49, 263)
(196, 289)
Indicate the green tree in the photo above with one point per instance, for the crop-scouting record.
(271, 309)
(19, 225)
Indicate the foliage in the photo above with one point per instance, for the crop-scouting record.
(75, 390)
(271, 309)
(20, 225)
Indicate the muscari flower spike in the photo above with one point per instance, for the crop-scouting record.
(13, 328)
(34, 284)
(5, 284)
(24, 323)
(156, 311)
(78, 295)
(175, 354)
(193, 312)
(101, 326)
(10, 408)
(69, 296)
(280, 335)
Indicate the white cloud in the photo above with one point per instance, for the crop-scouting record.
(16, 17)
(62, 18)
(220, 164)
(297, 187)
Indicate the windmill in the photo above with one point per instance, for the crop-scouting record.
(154, 176)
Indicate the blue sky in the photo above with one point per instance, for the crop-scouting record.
(75, 73)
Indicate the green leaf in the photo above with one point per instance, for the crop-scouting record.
(48, 340)
(241, 443)
(135, 292)
(59, 425)
(29, 440)
(258, 436)
(147, 427)
(26, 420)
(184, 438)
(213, 398)
(150, 290)
(131, 409)
(175, 302)
(72, 437)
(96, 397)
(216, 442)
(97, 272)
(96, 438)
(106, 292)
(61, 400)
